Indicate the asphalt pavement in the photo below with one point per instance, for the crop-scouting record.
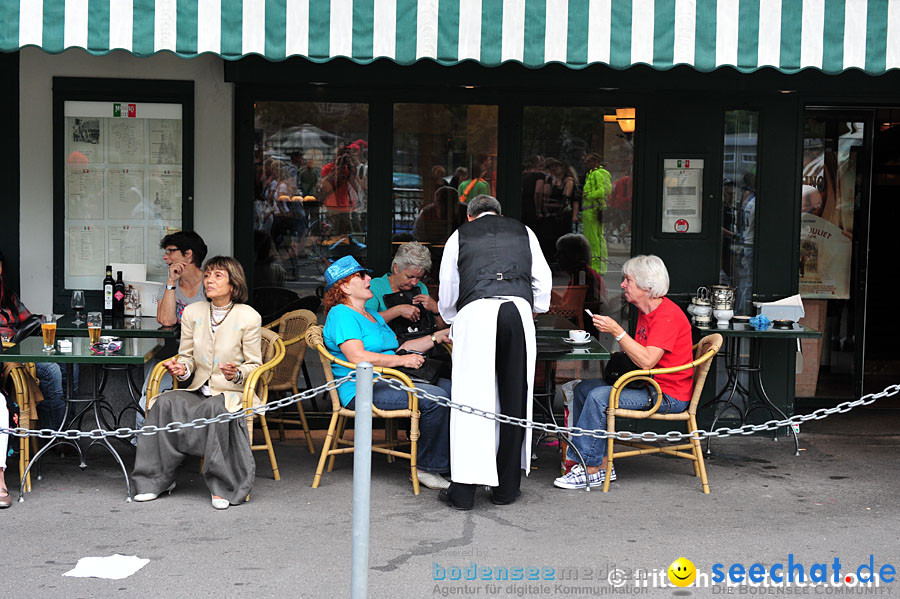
(767, 506)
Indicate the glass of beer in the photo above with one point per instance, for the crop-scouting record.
(48, 331)
(95, 324)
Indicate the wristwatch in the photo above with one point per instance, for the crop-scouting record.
(434, 339)
(170, 287)
(620, 336)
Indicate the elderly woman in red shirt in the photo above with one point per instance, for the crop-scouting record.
(662, 340)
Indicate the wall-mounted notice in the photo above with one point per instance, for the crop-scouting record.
(682, 195)
(123, 186)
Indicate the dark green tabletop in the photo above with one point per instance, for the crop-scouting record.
(148, 327)
(551, 347)
(134, 351)
(798, 331)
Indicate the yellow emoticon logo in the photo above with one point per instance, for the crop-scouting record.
(682, 572)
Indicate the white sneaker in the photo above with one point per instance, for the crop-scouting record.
(220, 503)
(432, 480)
(577, 478)
(141, 497)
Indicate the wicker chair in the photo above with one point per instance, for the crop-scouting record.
(335, 444)
(291, 328)
(25, 388)
(272, 349)
(569, 303)
(704, 352)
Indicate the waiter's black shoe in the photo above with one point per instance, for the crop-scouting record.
(497, 501)
(444, 496)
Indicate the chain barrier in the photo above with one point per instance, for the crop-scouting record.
(649, 436)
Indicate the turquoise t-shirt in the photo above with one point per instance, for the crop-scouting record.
(381, 287)
(344, 323)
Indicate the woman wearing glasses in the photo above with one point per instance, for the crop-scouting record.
(357, 334)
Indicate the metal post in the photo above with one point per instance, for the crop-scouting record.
(362, 478)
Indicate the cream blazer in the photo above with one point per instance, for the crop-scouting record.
(236, 340)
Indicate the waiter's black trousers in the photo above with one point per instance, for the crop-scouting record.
(512, 384)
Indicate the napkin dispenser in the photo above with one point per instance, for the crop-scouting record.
(789, 308)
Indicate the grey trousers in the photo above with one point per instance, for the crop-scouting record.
(228, 466)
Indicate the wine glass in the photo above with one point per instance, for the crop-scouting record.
(134, 303)
(77, 305)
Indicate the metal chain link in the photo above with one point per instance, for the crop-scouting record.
(172, 427)
(649, 436)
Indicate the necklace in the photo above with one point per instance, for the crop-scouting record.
(212, 319)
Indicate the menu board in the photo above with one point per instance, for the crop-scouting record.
(123, 186)
(682, 195)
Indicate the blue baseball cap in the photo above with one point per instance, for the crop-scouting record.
(343, 267)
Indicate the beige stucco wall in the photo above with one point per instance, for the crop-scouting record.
(213, 145)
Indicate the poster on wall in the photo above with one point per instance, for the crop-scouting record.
(826, 220)
(117, 204)
(682, 195)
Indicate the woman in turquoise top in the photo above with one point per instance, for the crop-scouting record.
(411, 262)
(356, 334)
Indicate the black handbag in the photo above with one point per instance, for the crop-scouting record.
(619, 364)
(404, 328)
(429, 372)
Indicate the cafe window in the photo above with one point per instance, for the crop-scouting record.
(739, 201)
(576, 195)
(310, 192)
(123, 178)
(444, 155)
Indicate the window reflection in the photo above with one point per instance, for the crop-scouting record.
(310, 192)
(576, 196)
(444, 155)
(739, 205)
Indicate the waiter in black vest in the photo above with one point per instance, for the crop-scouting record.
(493, 277)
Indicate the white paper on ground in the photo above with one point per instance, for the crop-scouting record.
(114, 567)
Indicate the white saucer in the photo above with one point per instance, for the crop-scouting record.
(573, 342)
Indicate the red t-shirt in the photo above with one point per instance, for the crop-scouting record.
(668, 329)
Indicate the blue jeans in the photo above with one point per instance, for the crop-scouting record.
(434, 424)
(588, 411)
(53, 408)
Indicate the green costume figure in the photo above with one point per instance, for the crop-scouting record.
(597, 187)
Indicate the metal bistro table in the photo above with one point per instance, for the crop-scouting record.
(735, 366)
(147, 327)
(551, 349)
(134, 351)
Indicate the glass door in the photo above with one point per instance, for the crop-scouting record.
(834, 207)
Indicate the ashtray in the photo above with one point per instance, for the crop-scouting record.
(107, 339)
(783, 324)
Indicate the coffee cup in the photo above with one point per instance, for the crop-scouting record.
(579, 336)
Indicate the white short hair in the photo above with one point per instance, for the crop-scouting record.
(649, 273)
(412, 255)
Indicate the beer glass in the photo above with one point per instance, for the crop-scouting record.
(95, 324)
(48, 331)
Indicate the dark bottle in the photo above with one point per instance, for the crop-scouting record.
(118, 298)
(108, 291)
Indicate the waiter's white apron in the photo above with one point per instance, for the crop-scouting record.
(474, 439)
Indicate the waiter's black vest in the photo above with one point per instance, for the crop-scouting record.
(494, 259)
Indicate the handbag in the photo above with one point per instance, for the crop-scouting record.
(619, 364)
(428, 372)
(404, 328)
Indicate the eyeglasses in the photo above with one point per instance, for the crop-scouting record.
(168, 251)
(361, 274)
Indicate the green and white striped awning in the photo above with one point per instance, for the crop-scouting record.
(790, 35)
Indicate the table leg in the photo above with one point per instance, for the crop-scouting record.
(734, 369)
(756, 379)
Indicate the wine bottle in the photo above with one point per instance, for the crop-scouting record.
(108, 285)
(118, 297)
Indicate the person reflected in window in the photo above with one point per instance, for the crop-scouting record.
(556, 211)
(443, 215)
(597, 187)
(573, 257)
(533, 177)
(475, 185)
